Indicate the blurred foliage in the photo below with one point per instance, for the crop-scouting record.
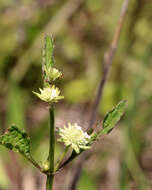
(86, 181)
(15, 106)
(82, 32)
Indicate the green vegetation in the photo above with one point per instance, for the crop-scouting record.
(72, 136)
(82, 32)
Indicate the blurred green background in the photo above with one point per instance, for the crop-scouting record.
(82, 31)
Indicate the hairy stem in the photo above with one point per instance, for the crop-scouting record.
(50, 176)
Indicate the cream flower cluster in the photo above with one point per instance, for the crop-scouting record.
(49, 94)
(74, 136)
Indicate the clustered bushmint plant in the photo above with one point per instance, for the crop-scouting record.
(72, 135)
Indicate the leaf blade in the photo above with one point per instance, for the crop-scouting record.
(16, 140)
(113, 116)
(110, 120)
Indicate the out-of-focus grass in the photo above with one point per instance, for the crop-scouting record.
(15, 106)
(4, 180)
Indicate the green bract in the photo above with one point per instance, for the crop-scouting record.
(48, 59)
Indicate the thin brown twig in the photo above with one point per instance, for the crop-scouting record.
(108, 60)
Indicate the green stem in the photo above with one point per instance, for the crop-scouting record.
(49, 182)
(61, 159)
(50, 176)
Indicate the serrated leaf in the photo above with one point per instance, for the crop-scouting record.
(16, 140)
(48, 52)
(110, 120)
(113, 116)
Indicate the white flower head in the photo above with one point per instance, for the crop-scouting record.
(74, 136)
(49, 94)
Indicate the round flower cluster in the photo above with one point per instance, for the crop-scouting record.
(74, 136)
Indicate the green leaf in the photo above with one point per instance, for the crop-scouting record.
(48, 52)
(110, 120)
(113, 116)
(16, 140)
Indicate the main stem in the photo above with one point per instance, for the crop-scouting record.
(50, 176)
